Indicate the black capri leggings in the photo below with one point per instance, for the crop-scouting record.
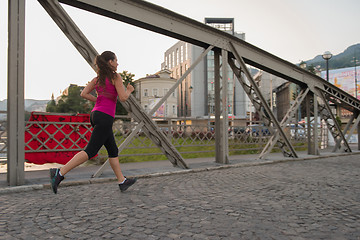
(102, 134)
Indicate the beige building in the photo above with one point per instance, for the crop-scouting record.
(150, 89)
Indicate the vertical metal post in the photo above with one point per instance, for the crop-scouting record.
(15, 105)
(308, 115)
(225, 119)
(316, 132)
(358, 132)
(312, 138)
(218, 149)
(327, 69)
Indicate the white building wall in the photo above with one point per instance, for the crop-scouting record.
(198, 82)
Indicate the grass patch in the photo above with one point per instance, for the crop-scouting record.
(141, 149)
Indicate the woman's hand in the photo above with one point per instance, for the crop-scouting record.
(129, 88)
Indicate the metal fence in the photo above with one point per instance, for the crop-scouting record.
(3, 136)
(194, 139)
(199, 138)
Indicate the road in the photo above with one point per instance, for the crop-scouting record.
(312, 199)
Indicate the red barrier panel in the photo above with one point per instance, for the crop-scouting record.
(55, 138)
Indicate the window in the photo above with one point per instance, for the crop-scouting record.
(170, 65)
(182, 53)
(166, 63)
(146, 92)
(211, 86)
(173, 94)
(211, 75)
(174, 109)
(146, 108)
(166, 110)
(186, 52)
(173, 59)
(210, 63)
(177, 56)
(155, 92)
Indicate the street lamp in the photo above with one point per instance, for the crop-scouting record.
(326, 56)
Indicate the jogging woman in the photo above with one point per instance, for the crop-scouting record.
(108, 85)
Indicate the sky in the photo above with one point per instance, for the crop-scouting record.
(292, 30)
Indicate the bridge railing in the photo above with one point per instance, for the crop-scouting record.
(192, 137)
(3, 135)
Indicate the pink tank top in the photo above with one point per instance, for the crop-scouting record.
(106, 99)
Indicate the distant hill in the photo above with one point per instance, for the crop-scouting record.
(342, 60)
(30, 105)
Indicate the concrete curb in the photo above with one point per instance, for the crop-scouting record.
(161, 174)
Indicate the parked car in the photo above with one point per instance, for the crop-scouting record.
(237, 130)
(297, 131)
(257, 130)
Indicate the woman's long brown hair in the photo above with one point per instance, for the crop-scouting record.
(104, 70)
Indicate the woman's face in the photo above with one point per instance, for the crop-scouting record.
(114, 63)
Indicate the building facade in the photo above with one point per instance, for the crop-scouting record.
(196, 94)
(150, 89)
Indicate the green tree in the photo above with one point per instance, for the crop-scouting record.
(51, 106)
(74, 103)
(311, 69)
(128, 79)
(70, 103)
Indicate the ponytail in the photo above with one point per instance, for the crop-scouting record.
(103, 69)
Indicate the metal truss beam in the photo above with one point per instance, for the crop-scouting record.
(74, 34)
(71, 31)
(341, 98)
(290, 113)
(334, 127)
(256, 103)
(157, 19)
(261, 105)
(355, 125)
(346, 129)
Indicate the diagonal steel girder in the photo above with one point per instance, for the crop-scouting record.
(337, 143)
(294, 107)
(78, 39)
(267, 114)
(334, 128)
(352, 130)
(257, 104)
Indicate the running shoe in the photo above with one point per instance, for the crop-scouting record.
(55, 178)
(128, 182)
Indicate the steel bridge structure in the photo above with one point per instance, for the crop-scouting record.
(229, 51)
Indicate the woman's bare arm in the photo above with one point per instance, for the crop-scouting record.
(120, 89)
(88, 89)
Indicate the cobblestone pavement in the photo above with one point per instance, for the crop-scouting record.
(314, 199)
